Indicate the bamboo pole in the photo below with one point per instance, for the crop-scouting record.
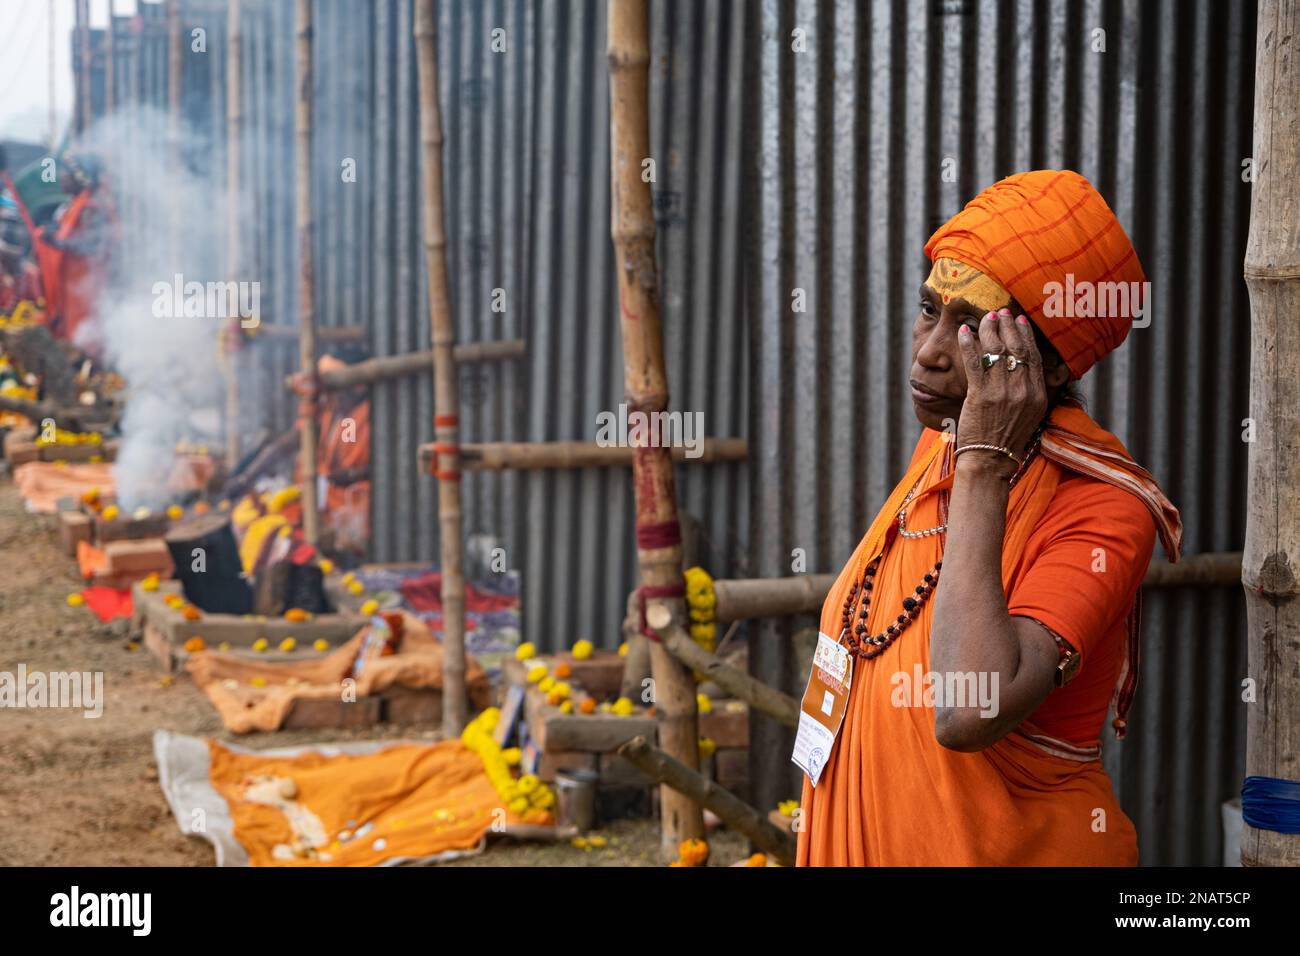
(306, 277)
(446, 403)
(660, 559)
(85, 111)
(1272, 272)
(234, 267)
(524, 456)
(383, 368)
(110, 54)
(779, 706)
(174, 115)
(729, 808)
(743, 599)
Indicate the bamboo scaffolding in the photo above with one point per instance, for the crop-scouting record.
(306, 276)
(385, 368)
(743, 599)
(524, 456)
(1272, 272)
(781, 707)
(729, 808)
(659, 556)
(234, 266)
(445, 395)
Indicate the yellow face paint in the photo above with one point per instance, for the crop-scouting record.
(950, 279)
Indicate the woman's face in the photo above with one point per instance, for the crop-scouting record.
(938, 377)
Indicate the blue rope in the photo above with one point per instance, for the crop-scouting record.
(1271, 803)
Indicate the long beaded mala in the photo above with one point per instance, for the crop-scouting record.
(857, 638)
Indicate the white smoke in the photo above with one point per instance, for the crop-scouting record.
(171, 222)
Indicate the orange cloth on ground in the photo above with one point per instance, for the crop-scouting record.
(245, 708)
(421, 799)
(1034, 228)
(43, 483)
(890, 795)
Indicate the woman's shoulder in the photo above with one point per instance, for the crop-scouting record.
(1087, 505)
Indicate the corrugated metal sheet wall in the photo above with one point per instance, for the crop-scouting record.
(818, 170)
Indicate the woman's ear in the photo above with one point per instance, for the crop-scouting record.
(1057, 375)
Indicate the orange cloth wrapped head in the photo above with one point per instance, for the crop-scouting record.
(1051, 240)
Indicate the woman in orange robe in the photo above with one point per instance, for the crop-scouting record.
(972, 728)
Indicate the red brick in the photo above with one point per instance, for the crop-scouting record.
(73, 527)
(727, 725)
(144, 554)
(408, 705)
(311, 713)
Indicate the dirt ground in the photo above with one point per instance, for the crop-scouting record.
(84, 792)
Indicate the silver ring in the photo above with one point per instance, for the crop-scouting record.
(990, 359)
(1013, 363)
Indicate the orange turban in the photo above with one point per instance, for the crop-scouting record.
(1050, 239)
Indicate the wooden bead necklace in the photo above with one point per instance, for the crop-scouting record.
(856, 635)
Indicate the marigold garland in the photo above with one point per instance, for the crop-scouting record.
(527, 798)
(701, 602)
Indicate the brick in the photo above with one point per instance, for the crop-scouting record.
(18, 436)
(601, 675)
(313, 713)
(123, 527)
(143, 554)
(73, 527)
(22, 452)
(155, 641)
(551, 763)
(727, 725)
(78, 453)
(409, 705)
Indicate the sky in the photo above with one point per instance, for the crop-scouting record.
(25, 63)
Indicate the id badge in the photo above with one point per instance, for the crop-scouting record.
(822, 711)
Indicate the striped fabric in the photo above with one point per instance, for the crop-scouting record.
(1045, 227)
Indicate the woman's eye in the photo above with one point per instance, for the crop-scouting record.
(927, 307)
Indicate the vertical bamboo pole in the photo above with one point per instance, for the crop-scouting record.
(174, 118)
(306, 279)
(234, 133)
(85, 112)
(51, 41)
(1272, 552)
(446, 405)
(659, 553)
(110, 55)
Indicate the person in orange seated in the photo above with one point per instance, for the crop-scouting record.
(344, 461)
(74, 251)
(990, 614)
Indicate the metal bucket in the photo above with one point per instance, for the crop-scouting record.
(575, 799)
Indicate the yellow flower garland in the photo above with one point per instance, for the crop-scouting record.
(527, 797)
(701, 601)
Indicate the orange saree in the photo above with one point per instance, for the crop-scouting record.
(1080, 530)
